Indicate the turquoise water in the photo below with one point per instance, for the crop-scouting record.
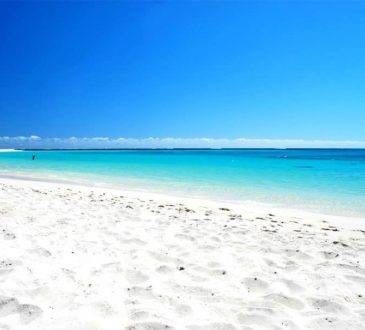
(331, 181)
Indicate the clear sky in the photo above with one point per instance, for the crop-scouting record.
(262, 70)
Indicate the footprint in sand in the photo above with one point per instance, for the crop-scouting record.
(137, 292)
(257, 320)
(356, 279)
(181, 310)
(328, 306)
(255, 285)
(8, 236)
(213, 326)
(149, 326)
(27, 312)
(163, 269)
(133, 241)
(8, 265)
(287, 301)
(138, 315)
(136, 277)
(8, 306)
(329, 255)
(215, 239)
(41, 252)
(185, 237)
(330, 322)
(292, 286)
(299, 255)
(213, 264)
(104, 308)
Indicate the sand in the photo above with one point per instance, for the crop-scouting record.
(76, 257)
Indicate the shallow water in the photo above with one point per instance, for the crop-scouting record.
(331, 181)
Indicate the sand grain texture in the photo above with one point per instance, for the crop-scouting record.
(87, 258)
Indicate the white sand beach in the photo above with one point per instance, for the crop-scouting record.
(76, 257)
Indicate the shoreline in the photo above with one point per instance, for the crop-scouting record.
(251, 207)
(327, 182)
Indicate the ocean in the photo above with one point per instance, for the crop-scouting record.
(326, 180)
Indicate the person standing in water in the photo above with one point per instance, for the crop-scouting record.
(33, 157)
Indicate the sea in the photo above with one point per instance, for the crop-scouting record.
(329, 181)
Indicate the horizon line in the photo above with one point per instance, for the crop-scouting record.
(93, 143)
(173, 149)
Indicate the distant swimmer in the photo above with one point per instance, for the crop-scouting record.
(33, 157)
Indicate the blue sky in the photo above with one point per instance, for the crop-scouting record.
(259, 70)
